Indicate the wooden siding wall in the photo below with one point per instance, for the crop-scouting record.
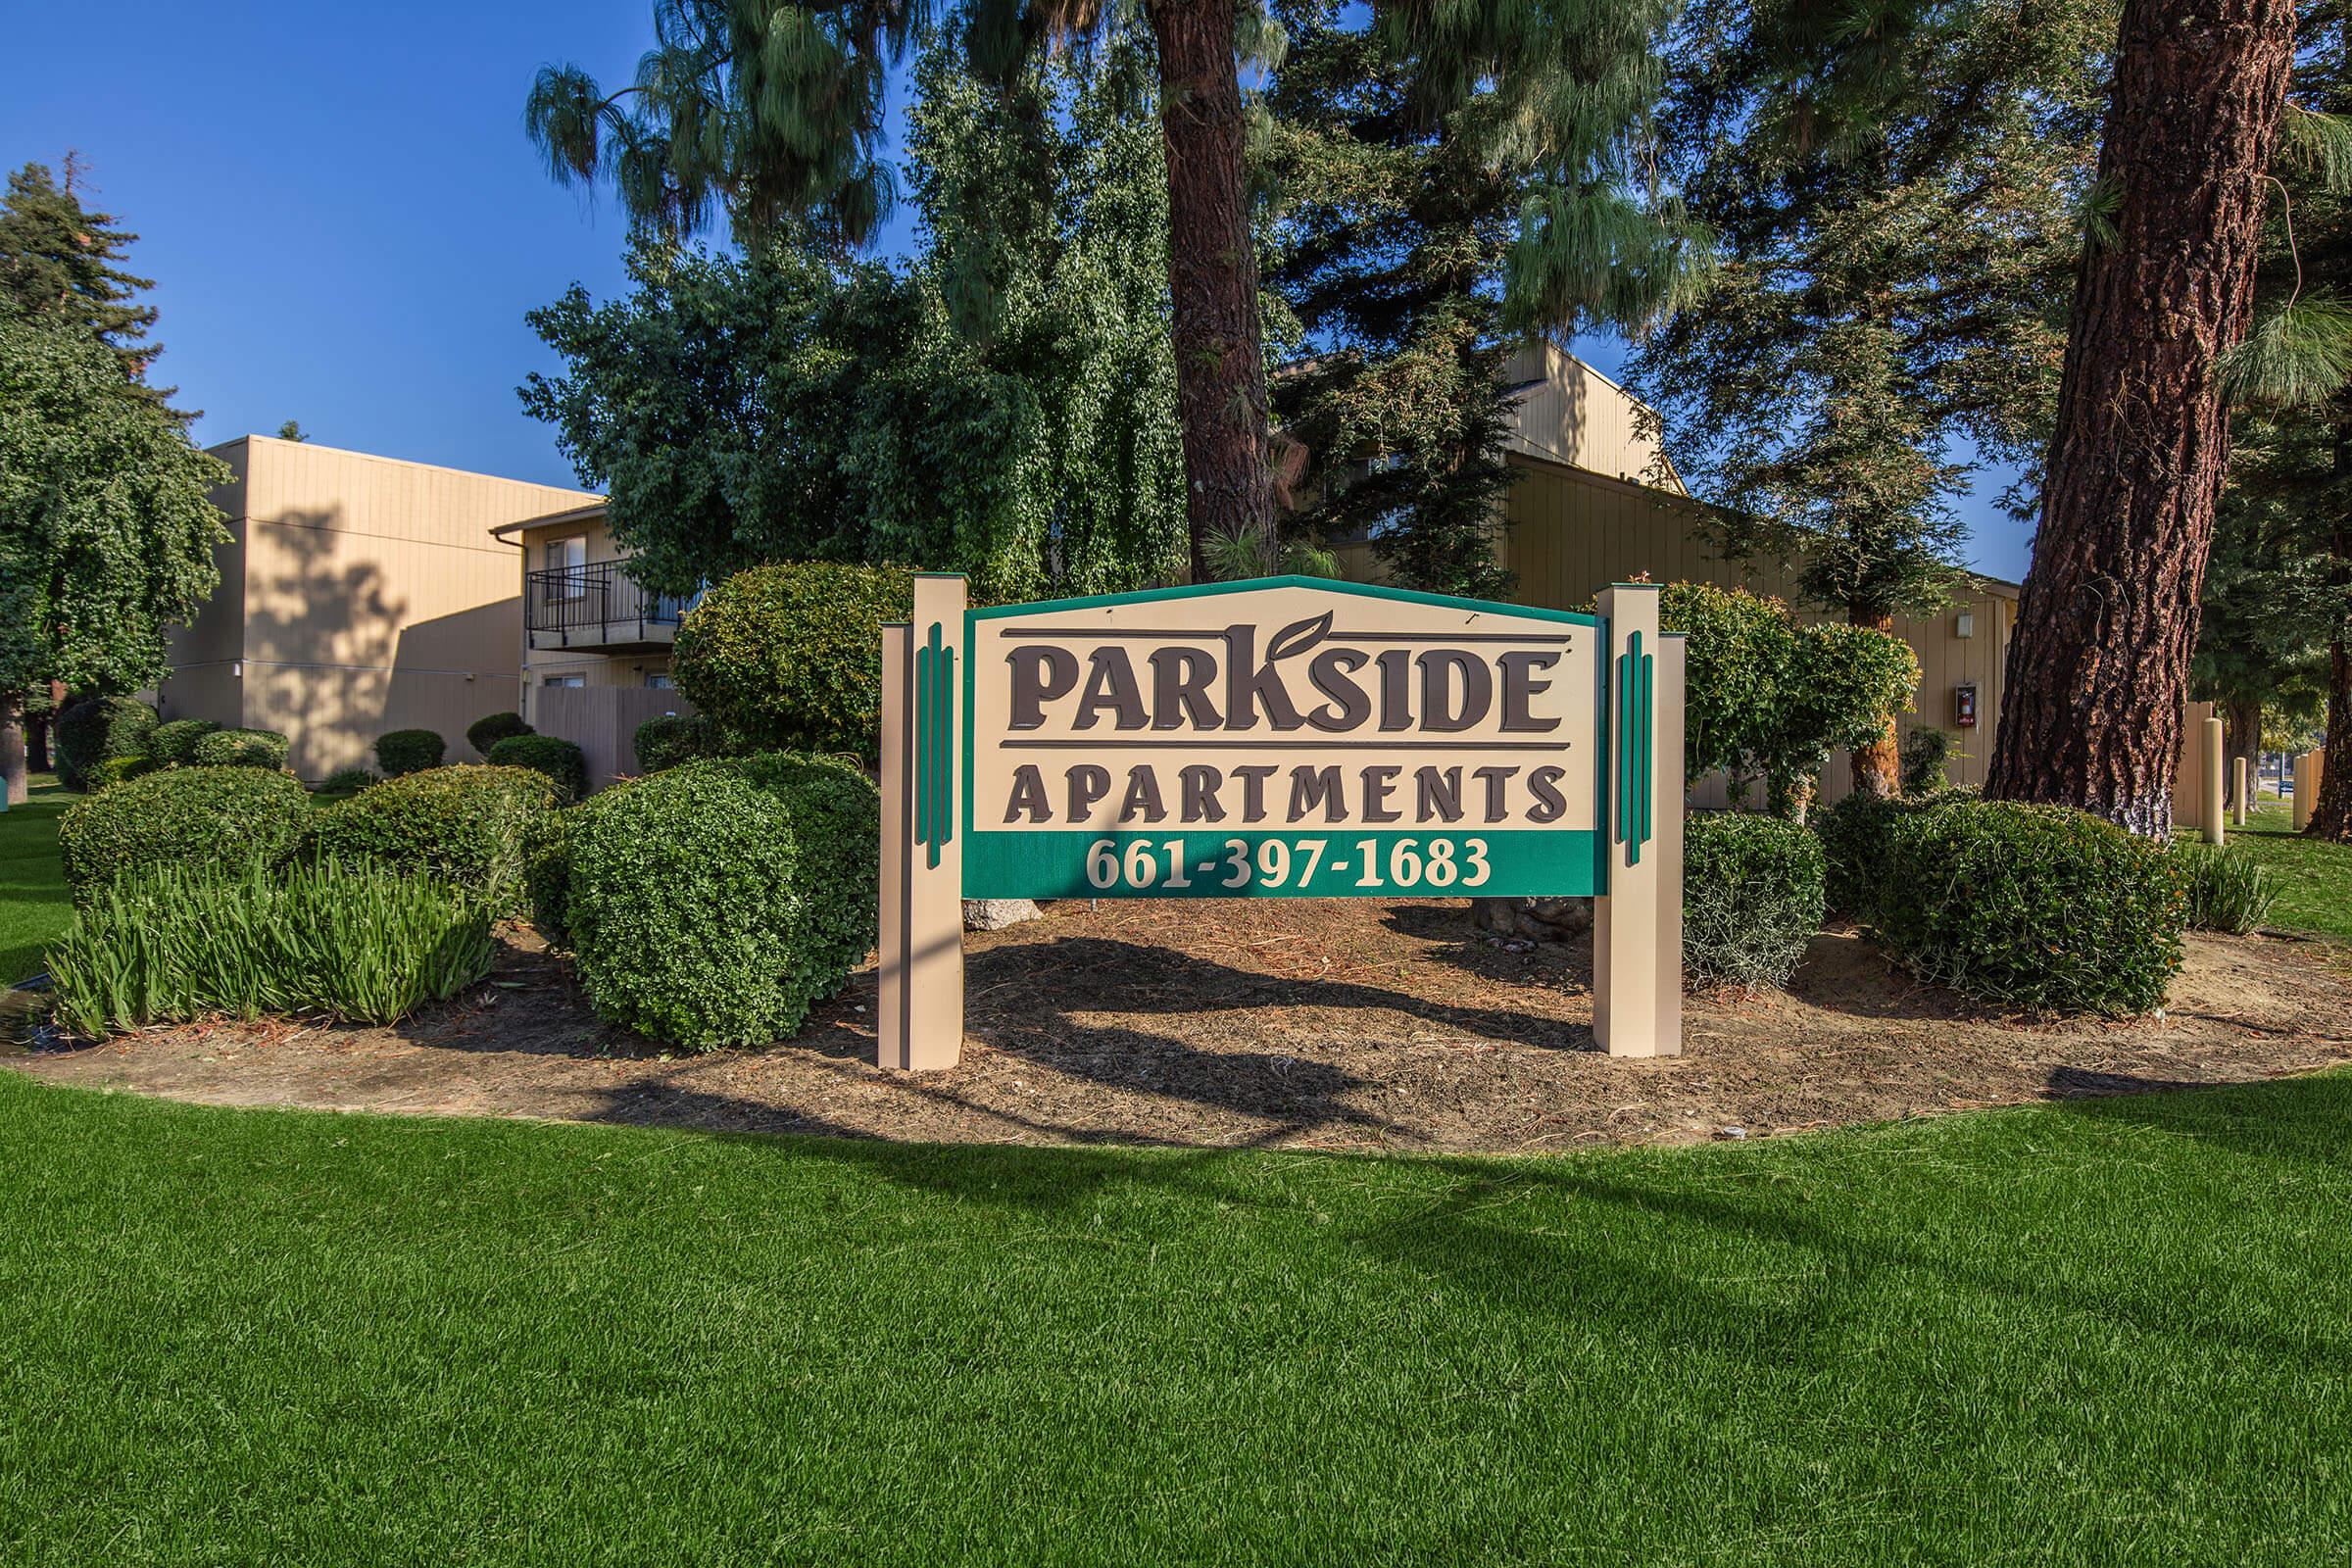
(1573, 414)
(362, 594)
(603, 720)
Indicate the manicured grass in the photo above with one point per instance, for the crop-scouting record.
(2114, 1332)
(2315, 879)
(34, 908)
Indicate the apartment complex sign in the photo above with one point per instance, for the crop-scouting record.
(1286, 738)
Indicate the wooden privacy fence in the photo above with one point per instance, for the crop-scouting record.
(603, 720)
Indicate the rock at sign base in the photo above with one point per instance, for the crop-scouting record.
(1539, 919)
(994, 914)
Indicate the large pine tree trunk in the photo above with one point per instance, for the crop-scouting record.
(1212, 279)
(13, 780)
(2332, 812)
(2099, 669)
(1878, 769)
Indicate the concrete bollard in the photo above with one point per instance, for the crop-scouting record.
(2211, 778)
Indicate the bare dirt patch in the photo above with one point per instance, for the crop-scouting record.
(1332, 1024)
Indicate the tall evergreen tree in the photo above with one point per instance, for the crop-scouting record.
(63, 264)
(1896, 189)
(2107, 626)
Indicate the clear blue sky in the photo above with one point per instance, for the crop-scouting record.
(344, 219)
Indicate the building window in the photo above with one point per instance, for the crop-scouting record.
(565, 681)
(659, 681)
(570, 558)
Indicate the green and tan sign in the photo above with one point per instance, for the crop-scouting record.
(1282, 738)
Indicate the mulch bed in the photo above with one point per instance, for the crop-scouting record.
(1329, 1024)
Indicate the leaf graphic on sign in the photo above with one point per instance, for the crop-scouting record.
(1298, 637)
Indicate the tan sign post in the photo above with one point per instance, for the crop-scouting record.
(1287, 737)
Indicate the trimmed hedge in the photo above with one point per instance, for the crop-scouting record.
(1752, 898)
(118, 770)
(174, 744)
(191, 816)
(466, 825)
(564, 763)
(547, 871)
(347, 941)
(2035, 907)
(403, 751)
(711, 904)
(789, 656)
(346, 781)
(97, 729)
(491, 728)
(242, 748)
(669, 739)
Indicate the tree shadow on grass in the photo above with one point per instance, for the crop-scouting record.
(2306, 1118)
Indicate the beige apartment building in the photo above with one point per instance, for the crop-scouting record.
(1595, 502)
(358, 594)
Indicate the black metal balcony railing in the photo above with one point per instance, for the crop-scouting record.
(598, 603)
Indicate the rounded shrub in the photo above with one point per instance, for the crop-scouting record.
(408, 750)
(547, 871)
(711, 904)
(174, 744)
(346, 781)
(242, 748)
(1853, 841)
(564, 762)
(120, 769)
(669, 739)
(468, 824)
(2037, 906)
(189, 816)
(1752, 898)
(491, 728)
(95, 729)
(789, 656)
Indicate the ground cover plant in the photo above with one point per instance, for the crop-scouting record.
(34, 903)
(2115, 1332)
(214, 817)
(2229, 890)
(176, 943)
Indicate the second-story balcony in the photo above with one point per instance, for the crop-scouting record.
(598, 606)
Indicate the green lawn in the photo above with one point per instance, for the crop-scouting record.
(2114, 1332)
(2314, 878)
(32, 890)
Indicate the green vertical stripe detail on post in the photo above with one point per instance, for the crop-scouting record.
(934, 743)
(1635, 733)
(1645, 791)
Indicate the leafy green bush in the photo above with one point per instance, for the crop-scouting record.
(1927, 761)
(120, 769)
(466, 825)
(174, 744)
(2227, 891)
(96, 729)
(346, 781)
(712, 903)
(1853, 841)
(176, 942)
(403, 751)
(191, 816)
(669, 739)
(491, 728)
(789, 656)
(564, 762)
(242, 748)
(547, 870)
(2035, 906)
(1752, 898)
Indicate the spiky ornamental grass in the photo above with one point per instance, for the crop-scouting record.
(358, 942)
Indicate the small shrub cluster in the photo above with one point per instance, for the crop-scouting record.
(346, 781)
(185, 817)
(241, 748)
(120, 769)
(179, 941)
(1752, 898)
(466, 825)
(2226, 891)
(174, 744)
(712, 903)
(547, 872)
(491, 728)
(789, 655)
(1927, 754)
(564, 763)
(97, 729)
(402, 752)
(2031, 905)
(674, 738)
